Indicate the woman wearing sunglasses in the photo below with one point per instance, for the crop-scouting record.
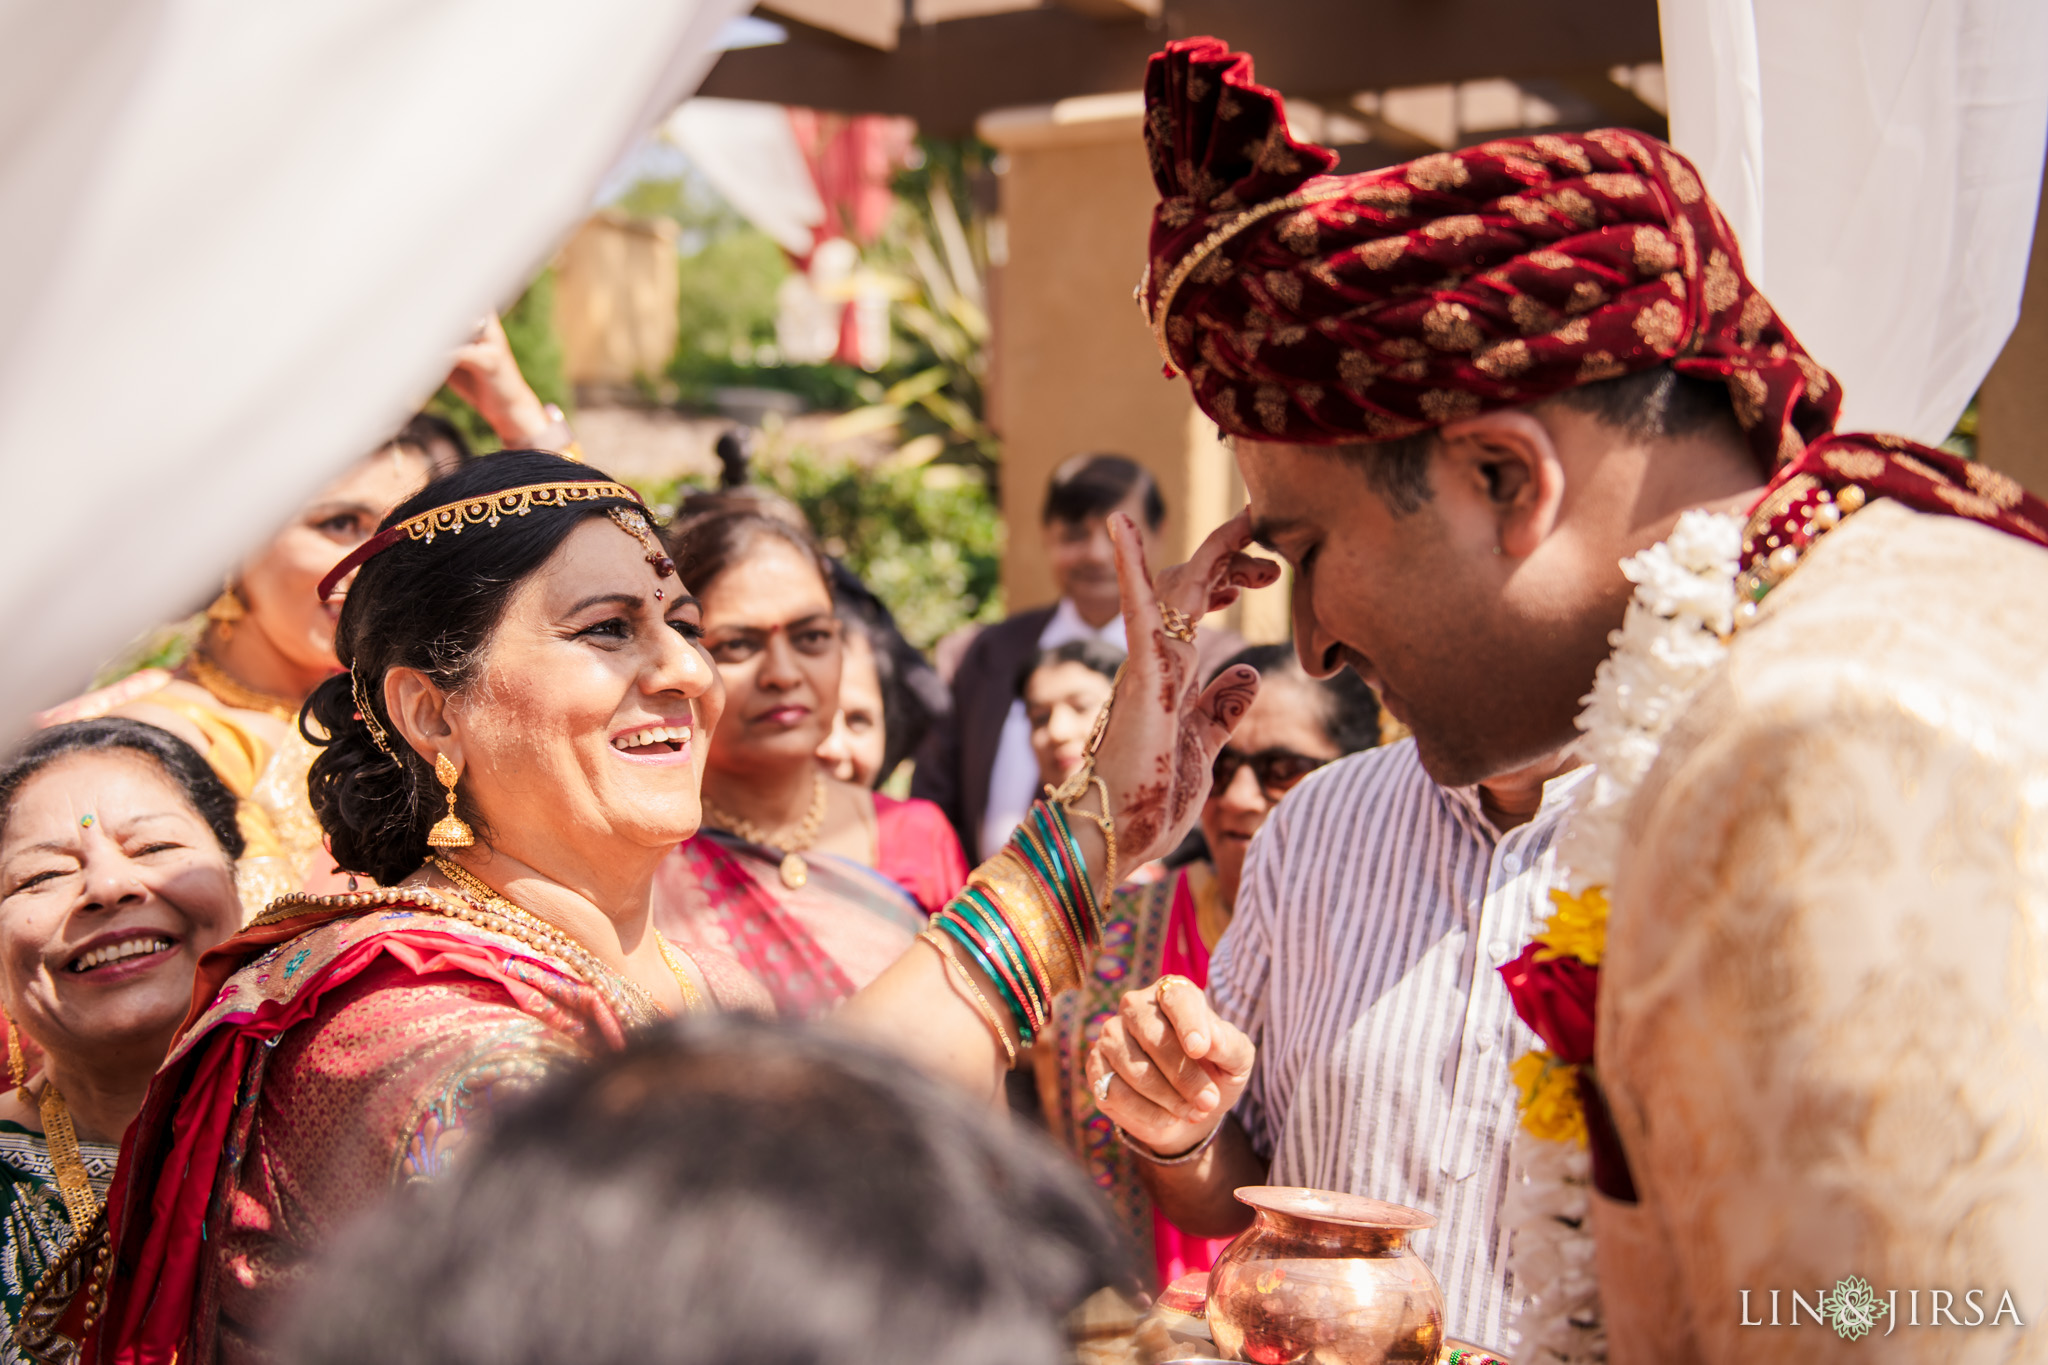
(1296, 725)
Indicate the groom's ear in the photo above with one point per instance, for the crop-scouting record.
(1510, 460)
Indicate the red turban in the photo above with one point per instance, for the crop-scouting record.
(1317, 308)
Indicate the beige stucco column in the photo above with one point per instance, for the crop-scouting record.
(1074, 367)
(2012, 405)
(615, 299)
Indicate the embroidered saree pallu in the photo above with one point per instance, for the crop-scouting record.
(339, 1047)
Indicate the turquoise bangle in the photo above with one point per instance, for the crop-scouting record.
(1066, 871)
(1072, 847)
(1030, 845)
(990, 916)
(959, 934)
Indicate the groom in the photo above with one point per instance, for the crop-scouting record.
(1462, 391)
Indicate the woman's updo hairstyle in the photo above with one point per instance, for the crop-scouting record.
(429, 605)
(716, 535)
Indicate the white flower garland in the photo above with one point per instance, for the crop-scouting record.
(1674, 633)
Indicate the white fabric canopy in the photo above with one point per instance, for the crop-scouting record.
(238, 242)
(1880, 162)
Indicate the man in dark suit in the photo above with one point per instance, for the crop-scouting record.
(977, 764)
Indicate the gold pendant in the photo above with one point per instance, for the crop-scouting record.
(795, 871)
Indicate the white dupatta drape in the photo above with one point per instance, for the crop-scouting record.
(238, 241)
(1880, 161)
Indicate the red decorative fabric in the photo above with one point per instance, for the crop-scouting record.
(1922, 478)
(915, 847)
(768, 940)
(1394, 301)
(809, 947)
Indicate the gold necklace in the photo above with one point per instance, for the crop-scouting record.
(631, 1005)
(566, 947)
(229, 692)
(67, 1162)
(693, 1000)
(795, 871)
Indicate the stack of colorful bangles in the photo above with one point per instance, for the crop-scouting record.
(1029, 917)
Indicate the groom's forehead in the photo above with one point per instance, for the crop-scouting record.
(1286, 484)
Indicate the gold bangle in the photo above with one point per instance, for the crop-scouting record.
(1035, 922)
(1072, 934)
(1043, 921)
(1014, 903)
(976, 997)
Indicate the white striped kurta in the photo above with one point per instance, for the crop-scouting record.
(1375, 909)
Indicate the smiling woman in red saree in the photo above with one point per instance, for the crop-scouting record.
(515, 748)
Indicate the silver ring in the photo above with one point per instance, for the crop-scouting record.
(1101, 1086)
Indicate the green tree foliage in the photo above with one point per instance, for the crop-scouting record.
(936, 247)
(922, 527)
(927, 540)
(725, 303)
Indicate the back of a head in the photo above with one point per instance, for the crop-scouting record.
(1096, 485)
(438, 440)
(726, 1192)
(747, 498)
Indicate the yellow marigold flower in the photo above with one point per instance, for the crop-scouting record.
(1577, 928)
(1550, 1098)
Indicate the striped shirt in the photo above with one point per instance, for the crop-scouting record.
(1375, 908)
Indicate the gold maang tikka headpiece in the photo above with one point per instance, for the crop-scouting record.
(489, 510)
(635, 525)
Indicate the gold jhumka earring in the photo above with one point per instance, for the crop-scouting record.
(449, 831)
(17, 1064)
(226, 609)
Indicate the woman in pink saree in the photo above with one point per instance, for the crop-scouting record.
(814, 884)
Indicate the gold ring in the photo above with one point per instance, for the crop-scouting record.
(1178, 624)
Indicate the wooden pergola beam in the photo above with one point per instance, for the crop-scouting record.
(946, 74)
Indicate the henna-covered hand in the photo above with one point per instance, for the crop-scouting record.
(1165, 728)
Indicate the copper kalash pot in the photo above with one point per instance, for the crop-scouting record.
(1325, 1279)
